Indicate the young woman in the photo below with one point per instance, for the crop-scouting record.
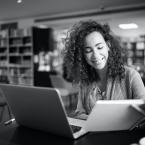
(93, 60)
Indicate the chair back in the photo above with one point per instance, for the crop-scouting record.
(59, 82)
(5, 111)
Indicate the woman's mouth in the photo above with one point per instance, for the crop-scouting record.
(98, 61)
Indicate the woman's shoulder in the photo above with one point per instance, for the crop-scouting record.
(129, 68)
(130, 71)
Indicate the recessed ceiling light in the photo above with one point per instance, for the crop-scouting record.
(128, 26)
(43, 26)
(19, 1)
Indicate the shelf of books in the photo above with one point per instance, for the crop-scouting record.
(16, 56)
(136, 53)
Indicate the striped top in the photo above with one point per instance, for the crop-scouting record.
(130, 87)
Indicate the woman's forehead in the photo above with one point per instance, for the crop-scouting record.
(94, 37)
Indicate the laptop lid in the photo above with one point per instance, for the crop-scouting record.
(38, 108)
(114, 115)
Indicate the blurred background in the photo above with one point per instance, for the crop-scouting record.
(32, 35)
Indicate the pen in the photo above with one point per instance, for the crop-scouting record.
(9, 121)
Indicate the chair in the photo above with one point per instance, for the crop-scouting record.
(62, 85)
(5, 112)
(67, 91)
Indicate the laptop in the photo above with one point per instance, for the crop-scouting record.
(114, 115)
(42, 108)
(141, 109)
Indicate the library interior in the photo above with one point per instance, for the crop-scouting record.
(32, 43)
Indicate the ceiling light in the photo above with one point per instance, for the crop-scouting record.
(19, 1)
(43, 26)
(128, 26)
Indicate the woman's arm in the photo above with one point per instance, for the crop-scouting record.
(137, 86)
(80, 112)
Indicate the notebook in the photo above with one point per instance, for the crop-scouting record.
(43, 109)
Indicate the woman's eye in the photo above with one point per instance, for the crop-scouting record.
(88, 50)
(100, 48)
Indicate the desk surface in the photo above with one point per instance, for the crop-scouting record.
(16, 135)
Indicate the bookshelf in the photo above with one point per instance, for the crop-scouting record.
(17, 50)
(16, 56)
(136, 54)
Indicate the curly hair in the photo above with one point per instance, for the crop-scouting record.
(74, 60)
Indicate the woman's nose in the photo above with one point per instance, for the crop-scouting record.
(96, 53)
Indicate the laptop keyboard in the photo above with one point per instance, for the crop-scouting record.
(75, 128)
(76, 124)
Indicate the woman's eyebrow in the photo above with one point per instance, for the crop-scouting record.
(98, 44)
(95, 45)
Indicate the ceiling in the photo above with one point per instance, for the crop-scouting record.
(113, 11)
(9, 9)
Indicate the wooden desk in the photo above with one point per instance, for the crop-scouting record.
(15, 135)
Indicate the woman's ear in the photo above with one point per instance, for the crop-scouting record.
(109, 44)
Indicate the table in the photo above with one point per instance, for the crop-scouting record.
(17, 135)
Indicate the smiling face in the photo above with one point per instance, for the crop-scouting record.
(96, 50)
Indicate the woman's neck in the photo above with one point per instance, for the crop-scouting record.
(102, 74)
(102, 83)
